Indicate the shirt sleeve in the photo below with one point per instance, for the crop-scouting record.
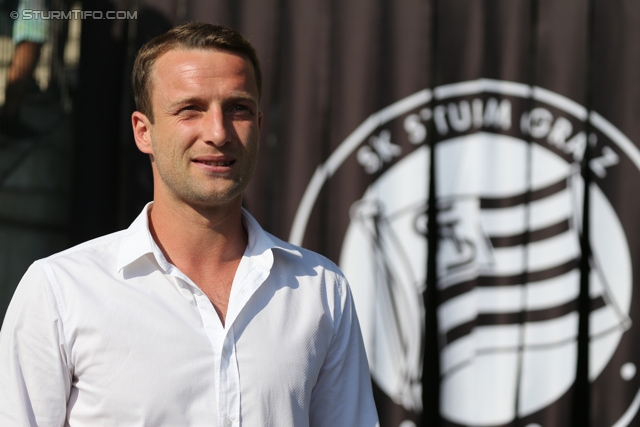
(343, 396)
(35, 380)
(34, 30)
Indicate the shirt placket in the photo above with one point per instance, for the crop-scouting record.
(225, 362)
(229, 397)
(227, 382)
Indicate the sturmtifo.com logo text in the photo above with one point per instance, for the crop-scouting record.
(47, 15)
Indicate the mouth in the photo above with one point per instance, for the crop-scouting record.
(215, 163)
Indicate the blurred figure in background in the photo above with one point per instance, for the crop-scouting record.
(29, 35)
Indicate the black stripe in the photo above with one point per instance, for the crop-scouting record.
(506, 202)
(431, 373)
(530, 236)
(514, 318)
(517, 279)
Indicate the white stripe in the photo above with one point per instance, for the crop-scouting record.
(553, 292)
(628, 416)
(457, 311)
(471, 87)
(466, 348)
(474, 87)
(539, 295)
(483, 300)
(542, 213)
(617, 137)
(542, 255)
(605, 319)
(457, 352)
(552, 331)
(507, 88)
(560, 102)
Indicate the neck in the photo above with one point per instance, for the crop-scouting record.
(189, 235)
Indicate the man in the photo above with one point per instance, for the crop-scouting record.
(194, 316)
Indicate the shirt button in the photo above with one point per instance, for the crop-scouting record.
(228, 423)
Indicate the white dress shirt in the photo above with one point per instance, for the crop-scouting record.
(109, 333)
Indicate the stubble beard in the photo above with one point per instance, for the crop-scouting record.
(183, 187)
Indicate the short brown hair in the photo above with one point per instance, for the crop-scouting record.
(192, 35)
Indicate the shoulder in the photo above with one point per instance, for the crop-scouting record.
(102, 249)
(295, 259)
(40, 287)
(82, 263)
(298, 257)
(65, 276)
(314, 273)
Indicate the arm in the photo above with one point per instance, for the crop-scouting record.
(342, 396)
(35, 380)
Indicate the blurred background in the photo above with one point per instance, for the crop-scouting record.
(473, 166)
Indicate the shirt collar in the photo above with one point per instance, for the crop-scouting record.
(138, 242)
(260, 241)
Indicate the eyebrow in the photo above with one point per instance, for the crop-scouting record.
(188, 100)
(239, 96)
(243, 96)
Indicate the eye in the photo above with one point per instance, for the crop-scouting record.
(188, 111)
(241, 112)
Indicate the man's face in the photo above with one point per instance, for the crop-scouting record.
(204, 139)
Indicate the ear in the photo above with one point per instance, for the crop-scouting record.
(142, 132)
(259, 120)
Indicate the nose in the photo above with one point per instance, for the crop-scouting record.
(215, 129)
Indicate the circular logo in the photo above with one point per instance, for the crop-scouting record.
(510, 202)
